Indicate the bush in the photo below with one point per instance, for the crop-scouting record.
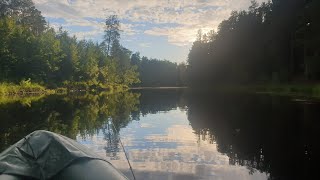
(24, 87)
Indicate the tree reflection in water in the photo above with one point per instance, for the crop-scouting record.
(111, 136)
(66, 115)
(264, 133)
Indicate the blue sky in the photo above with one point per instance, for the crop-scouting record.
(163, 29)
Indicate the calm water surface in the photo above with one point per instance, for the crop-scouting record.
(174, 134)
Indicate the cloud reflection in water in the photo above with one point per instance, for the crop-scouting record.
(164, 146)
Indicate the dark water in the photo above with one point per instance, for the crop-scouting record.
(174, 134)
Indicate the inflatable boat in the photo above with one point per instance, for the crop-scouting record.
(46, 155)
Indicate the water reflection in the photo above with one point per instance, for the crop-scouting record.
(263, 133)
(71, 116)
(173, 134)
(164, 146)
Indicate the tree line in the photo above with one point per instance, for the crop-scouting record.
(29, 48)
(276, 41)
(156, 72)
(32, 50)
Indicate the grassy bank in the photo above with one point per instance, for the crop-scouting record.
(27, 88)
(23, 88)
(311, 90)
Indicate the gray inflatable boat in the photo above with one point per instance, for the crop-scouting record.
(46, 155)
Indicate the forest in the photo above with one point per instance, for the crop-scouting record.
(31, 50)
(155, 72)
(274, 42)
(34, 56)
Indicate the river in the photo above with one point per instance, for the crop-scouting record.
(178, 134)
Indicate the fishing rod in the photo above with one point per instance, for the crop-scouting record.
(125, 153)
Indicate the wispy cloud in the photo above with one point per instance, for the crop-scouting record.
(145, 45)
(190, 15)
(176, 21)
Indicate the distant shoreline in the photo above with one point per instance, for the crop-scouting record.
(137, 88)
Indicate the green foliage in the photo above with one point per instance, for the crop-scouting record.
(55, 59)
(70, 115)
(266, 43)
(26, 101)
(76, 86)
(24, 13)
(159, 73)
(25, 87)
(120, 69)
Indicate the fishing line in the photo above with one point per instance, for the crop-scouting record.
(125, 153)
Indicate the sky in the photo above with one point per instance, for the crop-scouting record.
(163, 29)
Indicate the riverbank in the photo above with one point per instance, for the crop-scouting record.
(311, 90)
(305, 90)
(27, 88)
(178, 87)
(23, 88)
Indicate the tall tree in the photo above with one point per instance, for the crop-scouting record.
(112, 32)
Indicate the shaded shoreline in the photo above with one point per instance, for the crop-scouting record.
(310, 91)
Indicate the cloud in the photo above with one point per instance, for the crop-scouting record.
(145, 45)
(128, 29)
(176, 36)
(86, 35)
(187, 15)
